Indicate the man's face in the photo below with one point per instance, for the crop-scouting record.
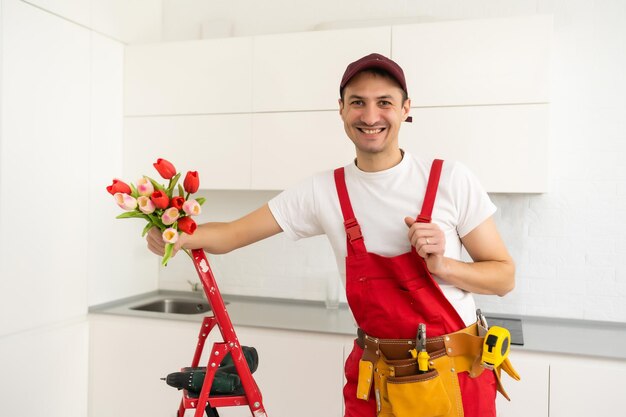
(372, 111)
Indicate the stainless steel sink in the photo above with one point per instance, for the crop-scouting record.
(175, 306)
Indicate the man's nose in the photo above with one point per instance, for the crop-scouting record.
(370, 115)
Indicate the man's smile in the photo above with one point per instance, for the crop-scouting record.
(371, 131)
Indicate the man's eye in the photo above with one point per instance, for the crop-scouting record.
(384, 103)
(357, 103)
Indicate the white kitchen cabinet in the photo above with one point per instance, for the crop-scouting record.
(530, 395)
(476, 97)
(44, 371)
(302, 71)
(217, 146)
(186, 78)
(506, 147)
(471, 62)
(127, 358)
(289, 147)
(584, 386)
(44, 167)
(299, 373)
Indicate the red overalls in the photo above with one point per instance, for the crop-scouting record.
(390, 296)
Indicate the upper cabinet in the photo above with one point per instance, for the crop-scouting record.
(192, 77)
(479, 90)
(302, 71)
(474, 62)
(217, 146)
(504, 146)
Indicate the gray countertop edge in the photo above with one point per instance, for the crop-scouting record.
(541, 334)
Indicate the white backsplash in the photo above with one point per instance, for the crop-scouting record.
(276, 267)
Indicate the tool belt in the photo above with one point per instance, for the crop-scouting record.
(402, 391)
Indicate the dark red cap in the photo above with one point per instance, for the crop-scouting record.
(372, 61)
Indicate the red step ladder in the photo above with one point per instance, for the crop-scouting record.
(252, 395)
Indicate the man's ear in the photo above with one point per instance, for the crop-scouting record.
(406, 108)
(340, 101)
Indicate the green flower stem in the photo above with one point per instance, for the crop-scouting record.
(169, 247)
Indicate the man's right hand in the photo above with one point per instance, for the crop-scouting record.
(157, 245)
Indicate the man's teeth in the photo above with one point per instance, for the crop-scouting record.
(372, 131)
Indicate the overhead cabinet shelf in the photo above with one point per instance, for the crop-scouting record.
(479, 95)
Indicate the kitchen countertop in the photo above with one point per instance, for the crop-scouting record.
(541, 334)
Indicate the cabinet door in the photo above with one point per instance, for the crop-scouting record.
(584, 386)
(289, 147)
(506, 147)
(300, 374)
(302, 71)
(127, 358)
(492, 61)
(45, 368)
(217, 146)
(193, 77)
(529, 397)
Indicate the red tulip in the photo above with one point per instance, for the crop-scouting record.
(165, 168)
(160, 199)
(187, 225)
(191, 182)
(177, 202)
(118, 187)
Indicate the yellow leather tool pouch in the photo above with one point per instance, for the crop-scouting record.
(402, 392)
(418, 395)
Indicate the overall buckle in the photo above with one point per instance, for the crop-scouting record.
(353, 230)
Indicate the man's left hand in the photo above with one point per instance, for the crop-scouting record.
(430, 243)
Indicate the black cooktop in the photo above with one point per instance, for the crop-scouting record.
(513, 325)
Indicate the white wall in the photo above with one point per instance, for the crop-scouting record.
(569, 244)
(60, 247)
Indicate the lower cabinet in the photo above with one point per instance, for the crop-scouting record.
(584, 386)
(300, 374)
(529, 396)
(127, 358)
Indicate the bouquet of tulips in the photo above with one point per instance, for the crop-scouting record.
(158, 204)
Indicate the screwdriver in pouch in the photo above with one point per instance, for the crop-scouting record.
(420, 352)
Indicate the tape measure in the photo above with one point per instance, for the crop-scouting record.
(496, 346)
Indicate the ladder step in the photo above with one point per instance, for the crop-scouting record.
(215, 400)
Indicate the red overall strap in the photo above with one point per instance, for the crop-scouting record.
(353, 230)
(431, 192)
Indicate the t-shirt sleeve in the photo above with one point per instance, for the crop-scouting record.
(473, 203)
(295, 211)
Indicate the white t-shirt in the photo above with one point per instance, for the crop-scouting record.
(381, 200)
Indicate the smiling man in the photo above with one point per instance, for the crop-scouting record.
(397, 224)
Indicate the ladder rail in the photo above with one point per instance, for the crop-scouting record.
(252, 395)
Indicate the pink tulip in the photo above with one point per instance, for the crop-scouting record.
(144, 187)
(170, 235)
(192, 207)
(145, 204)
(170, 216)
(125, 201)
